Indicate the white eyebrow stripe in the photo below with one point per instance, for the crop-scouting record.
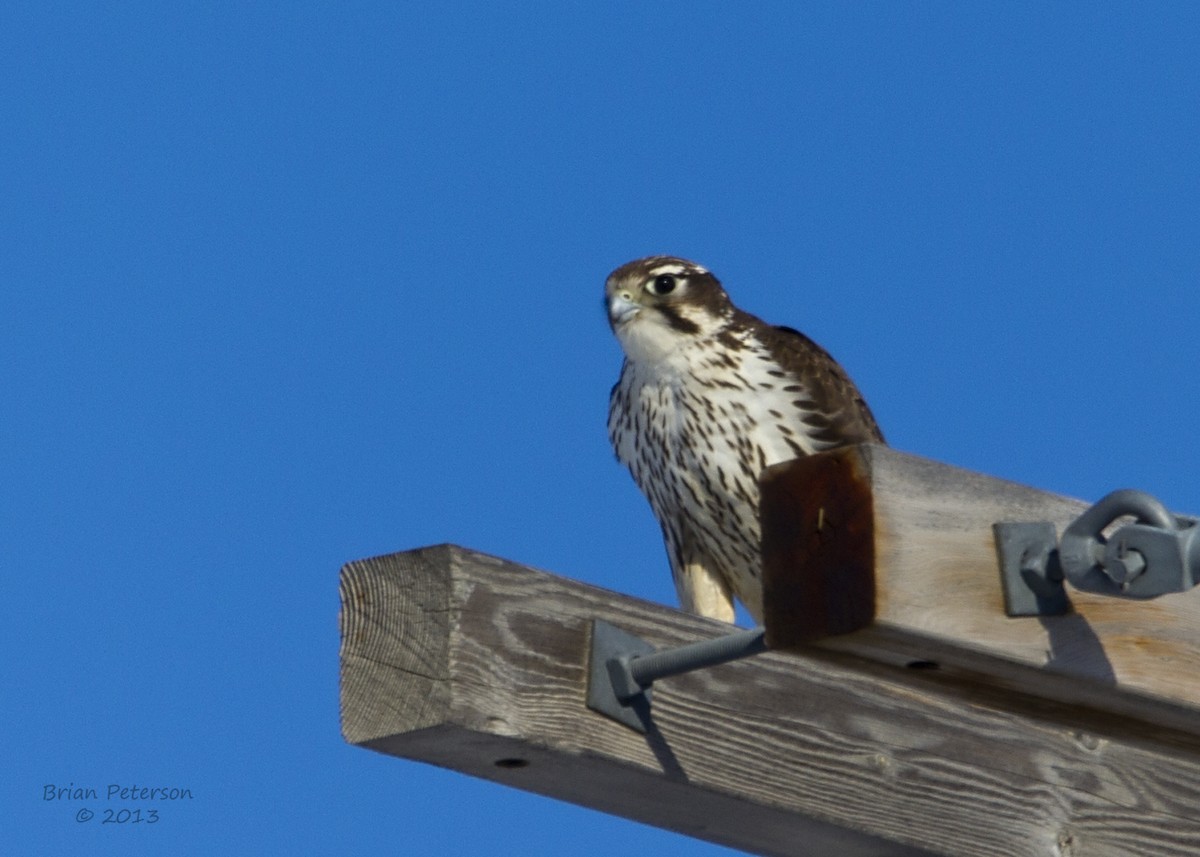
(676, 269)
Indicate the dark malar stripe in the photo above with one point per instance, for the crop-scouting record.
(677, 321)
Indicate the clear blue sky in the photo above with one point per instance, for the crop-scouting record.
(287, 285)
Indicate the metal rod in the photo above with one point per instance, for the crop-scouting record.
(646, 669)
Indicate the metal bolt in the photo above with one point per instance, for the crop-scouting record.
(1124, 564)
(631, 675)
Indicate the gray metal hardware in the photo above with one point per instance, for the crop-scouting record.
(623, 667)
(1029, 570)
(1156, 554)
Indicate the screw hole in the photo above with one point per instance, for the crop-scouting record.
(923, 665)
(512, 763)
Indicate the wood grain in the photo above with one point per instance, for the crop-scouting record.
(477, 664)
(937, 595)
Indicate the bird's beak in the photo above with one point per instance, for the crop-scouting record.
(621, 308)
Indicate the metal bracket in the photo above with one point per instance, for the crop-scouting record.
(1158, 554)
(1029, 571)
(622, 667)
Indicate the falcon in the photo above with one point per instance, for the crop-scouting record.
(708, 397)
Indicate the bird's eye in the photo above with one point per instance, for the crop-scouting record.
(663, 284)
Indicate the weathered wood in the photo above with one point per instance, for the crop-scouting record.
(473, 663)
(926, 528)
(818, 549)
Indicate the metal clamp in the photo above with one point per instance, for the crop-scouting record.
(1157, 554)
(623, 667)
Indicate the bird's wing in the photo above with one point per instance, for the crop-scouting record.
(838, 414)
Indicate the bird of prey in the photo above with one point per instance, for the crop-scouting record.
(708, 397)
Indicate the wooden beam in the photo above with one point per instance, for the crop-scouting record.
(480, 665)
(902, 548)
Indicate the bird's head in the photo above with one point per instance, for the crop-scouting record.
(658, 304)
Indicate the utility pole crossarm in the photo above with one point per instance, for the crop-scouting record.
(894, 557)
(474, 663)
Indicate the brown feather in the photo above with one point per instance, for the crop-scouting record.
(837, 403)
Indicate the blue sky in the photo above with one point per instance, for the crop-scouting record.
(283, 286)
